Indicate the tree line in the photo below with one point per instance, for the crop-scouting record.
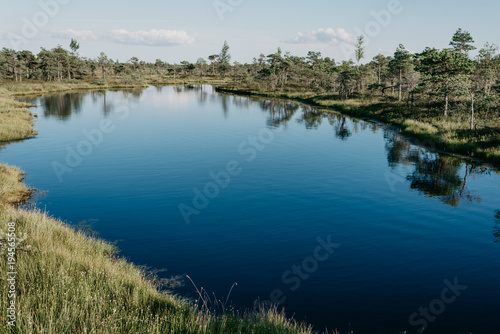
(437, 76)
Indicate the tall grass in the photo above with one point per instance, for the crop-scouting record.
(12, 190)
(16, 121)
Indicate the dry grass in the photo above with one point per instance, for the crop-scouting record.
(12, 190)
(16, 121)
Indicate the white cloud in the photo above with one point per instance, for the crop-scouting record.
(323, 35)
(78, 34)
(152, 37)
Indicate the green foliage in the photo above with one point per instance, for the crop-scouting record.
(400, 65)
(380, 62)
(224, 58)
(359, 48)
(445, 72)
(74, 46)
(462, 41)
(402, 59)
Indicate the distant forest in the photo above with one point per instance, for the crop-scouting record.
(449, 78)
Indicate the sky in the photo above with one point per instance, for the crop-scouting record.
(174, 31)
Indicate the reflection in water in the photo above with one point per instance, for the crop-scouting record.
(242, 102)
(433, 175)
(225, 104)
(98, 96)
(65, 105)
(341, 131)
(62, 106)
(131, 95)
(280, 112)
(397, 147)
(496, 229)
(439, 176)
(201, 89)
(311, 117)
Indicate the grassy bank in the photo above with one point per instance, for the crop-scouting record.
(450, 134)
(70, 282)
(16, 121)
(12, 190)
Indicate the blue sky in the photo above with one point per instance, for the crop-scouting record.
(186, 30)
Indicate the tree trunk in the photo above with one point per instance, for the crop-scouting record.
(446, 105)
(472, 111)
(464, 183)
(400, 79)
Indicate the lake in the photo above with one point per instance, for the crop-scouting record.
(341, 221)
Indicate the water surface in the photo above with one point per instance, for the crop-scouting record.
(403, 223)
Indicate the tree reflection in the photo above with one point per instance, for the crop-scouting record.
(134, 94)
(433, 175)
(496, 229)
(339, 124)
(241, 102)
(397, 148)
(225, 104)
(280, 112)
(311, 117)
(62, 106)
(341, 130)
(438, 176)
(99, 96)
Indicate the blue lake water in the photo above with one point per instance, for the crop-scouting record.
(341, 221)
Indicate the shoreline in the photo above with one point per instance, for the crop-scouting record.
(421, 139)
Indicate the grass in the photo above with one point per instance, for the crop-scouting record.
(425, 125)
(70, 282)
(12, 190)
(16, 121)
